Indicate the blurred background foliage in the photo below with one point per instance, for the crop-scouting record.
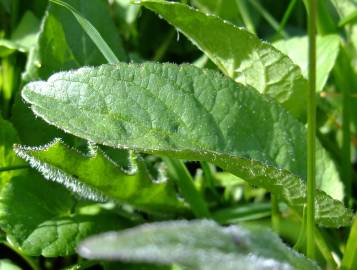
(146, 37)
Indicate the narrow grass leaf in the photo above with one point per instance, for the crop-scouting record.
(92, 32)
(187, 188)
(350, 255)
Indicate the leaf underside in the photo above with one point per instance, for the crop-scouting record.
(196, 245)
(97, 177)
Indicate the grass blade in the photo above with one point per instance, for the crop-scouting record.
(349, 260)
(244, 12)
(286, 16)
(270, 19)
(188, 190)
(91, 32)
(11, 168)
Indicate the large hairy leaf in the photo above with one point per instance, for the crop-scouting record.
(239, 54)
(196, 245)
(37, 217)
(97, 177)
(194, 114)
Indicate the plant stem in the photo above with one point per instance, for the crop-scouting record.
(324, 249)
(345, 82)
(311, 131)
(349, 260)
(274, 213)
(244, 12)
(12, 168)
(208, 177)
(346, 145)
(160, 52)
(187, 188)
(270, 19)
(286, 16)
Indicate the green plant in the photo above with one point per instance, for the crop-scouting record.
(95, 137)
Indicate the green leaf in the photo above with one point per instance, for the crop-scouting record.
(6, 264)
(193, 114)
(23, 37)
(327, 50)
(351, 18)
(239, 54)
(196, 245)
(235, 214)
(350, 256)
(345, 9)
(107, 265)
(32, 130)
(63, 44)
(127, 12)
(83, 174)
(8, 136)
(36, 215)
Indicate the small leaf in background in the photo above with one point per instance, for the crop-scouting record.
(239, 54)
(345, 8)
(98, 178)
(127, 12)
(327, 52)
(92, 32)
(37, 217)
(24, 36)
(196, 245)
(63, 44)
(194, 114)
